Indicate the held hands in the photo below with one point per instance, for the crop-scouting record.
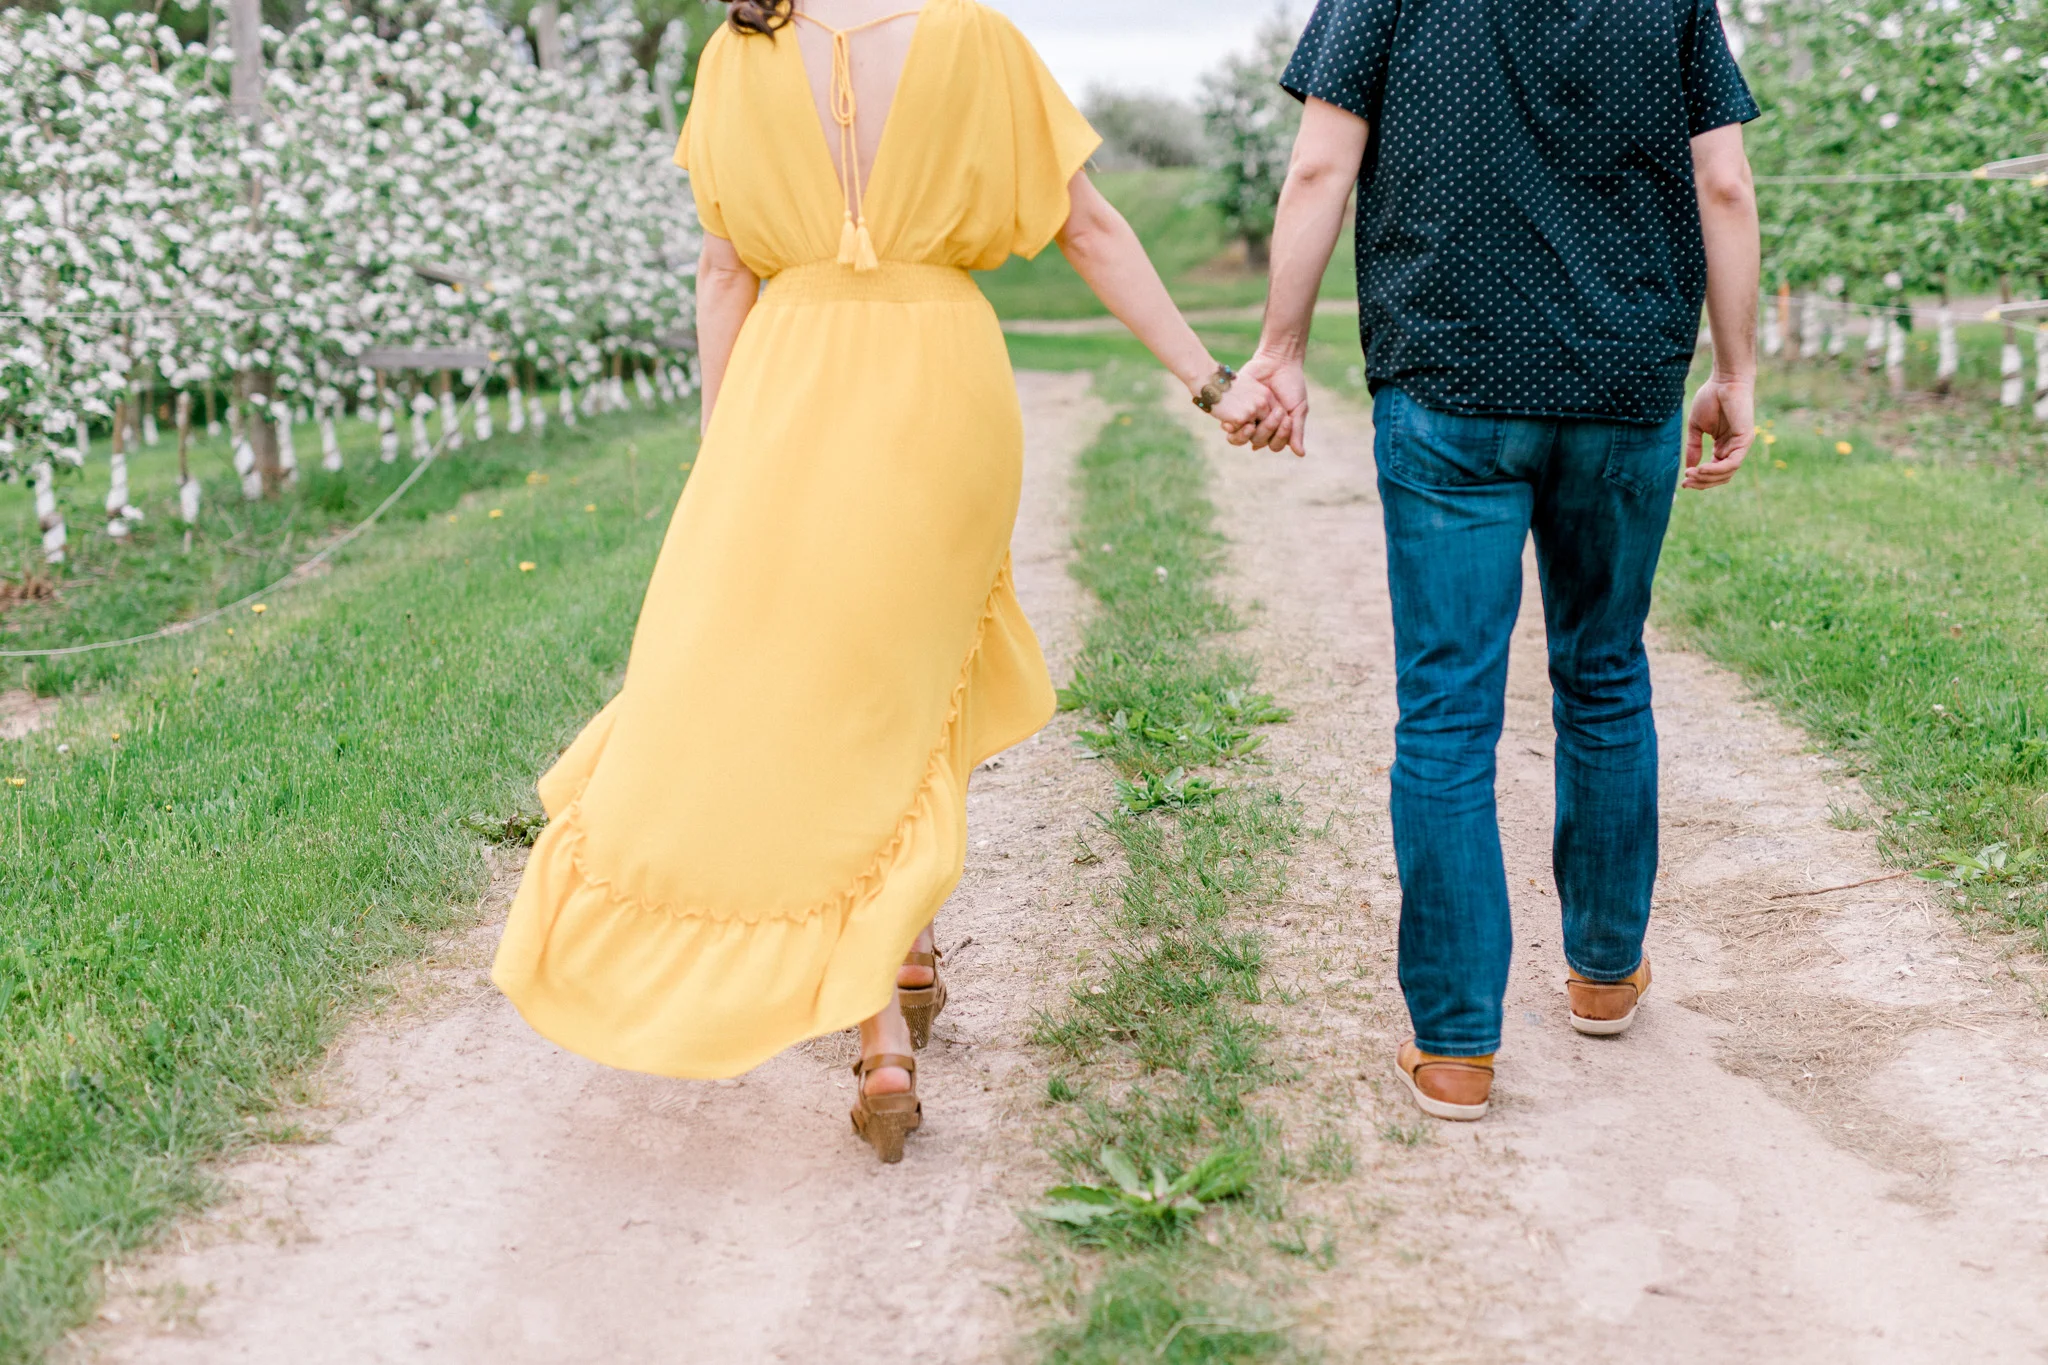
(1725, 410)
(1267, 408)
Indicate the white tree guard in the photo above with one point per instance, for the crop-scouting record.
(188, 500)
(2041, 372)
(245, 454)
(2009, 367)
(1948, 354)
(287, 448)
(49, 517)
(1811, 339)
(330, 440)
(515, 410)
(422, 443)
(387, 432)
(451, 421)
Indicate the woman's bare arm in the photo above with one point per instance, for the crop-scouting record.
(1106, 253)
(726, 293)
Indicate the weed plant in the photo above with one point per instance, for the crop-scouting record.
(205, 861)
(1156, 1058)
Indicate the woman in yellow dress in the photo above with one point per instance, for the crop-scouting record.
(749, 844)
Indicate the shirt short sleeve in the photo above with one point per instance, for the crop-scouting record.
(693, 152)
(1716, 95)
(1342, 57)
(1053, 143)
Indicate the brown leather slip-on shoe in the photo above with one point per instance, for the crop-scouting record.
(1454, 1088)
(1604, 1009)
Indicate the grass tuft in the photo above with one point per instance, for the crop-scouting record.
(1157, 1058)
(211, 855)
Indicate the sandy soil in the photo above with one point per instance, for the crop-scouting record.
(483, 1196)
(24, 713)
(1826, 1140)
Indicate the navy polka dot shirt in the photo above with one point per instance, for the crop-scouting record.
(1528, 233)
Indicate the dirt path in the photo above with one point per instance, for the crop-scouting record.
(1826, 1141)
(486, 1197)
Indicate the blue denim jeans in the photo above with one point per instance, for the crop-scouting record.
(1462, 496)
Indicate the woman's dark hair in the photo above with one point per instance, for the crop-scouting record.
(760, 16)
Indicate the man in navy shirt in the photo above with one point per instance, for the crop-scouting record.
(1548, 190)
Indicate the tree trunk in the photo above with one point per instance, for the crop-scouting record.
(547, 35)
(245, 28)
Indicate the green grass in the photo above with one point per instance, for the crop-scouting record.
(1185, 239)
(1895, 609)
(190, 908)
(112, 589)
(1155, 1053)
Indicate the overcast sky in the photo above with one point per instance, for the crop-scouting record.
(1160, 45)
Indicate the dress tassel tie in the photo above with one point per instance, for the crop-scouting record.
(856, 243)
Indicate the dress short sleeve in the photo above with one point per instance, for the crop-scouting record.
(1716, 95)
(1053, 143)
(693, 148)
(1343, 54)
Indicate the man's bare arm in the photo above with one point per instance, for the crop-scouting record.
(1328, 153)
(1726, 406)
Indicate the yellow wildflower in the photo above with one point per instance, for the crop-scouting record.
(259, 609)
(590, 507)
(1780, 464)
(1770, 438)
(536, 478)
(17, 782)
(527, 566)
(1844, 448)
(497, 512)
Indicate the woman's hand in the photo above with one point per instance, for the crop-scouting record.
(1247, 410)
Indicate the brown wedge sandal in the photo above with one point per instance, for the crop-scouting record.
(882, 1121)
(922, 1005)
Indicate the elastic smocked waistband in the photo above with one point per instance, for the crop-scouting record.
(894, 282)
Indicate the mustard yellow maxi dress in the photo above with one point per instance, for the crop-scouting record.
(747, 840)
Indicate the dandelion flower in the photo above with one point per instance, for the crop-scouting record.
(1844, 448)
(451, 518)
(590, 507)
(17, 782)
(259, 609)
(536, 478)
(116, 736)
(1770, 438)
(1124, 420)
(497, 512)
(527, 566)
(1779, 464)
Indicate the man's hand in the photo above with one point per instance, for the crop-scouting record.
(1245, 407)
(1287, 425)
(1726, 411)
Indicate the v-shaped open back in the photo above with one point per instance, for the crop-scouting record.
(841, 103)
